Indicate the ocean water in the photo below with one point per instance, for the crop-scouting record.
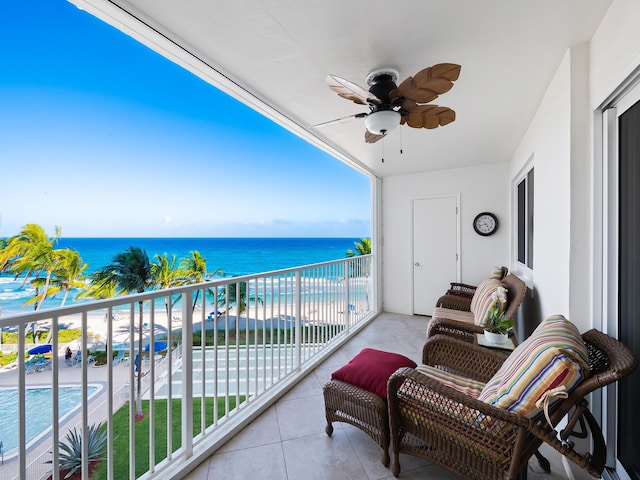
(235, 256)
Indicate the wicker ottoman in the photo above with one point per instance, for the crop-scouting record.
(357, 394)
(367, 411)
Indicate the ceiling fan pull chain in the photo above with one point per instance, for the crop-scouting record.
(383, 150)
(400, 141)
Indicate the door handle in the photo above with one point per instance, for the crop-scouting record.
(417, 264)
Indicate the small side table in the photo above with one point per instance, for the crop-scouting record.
(508, 346)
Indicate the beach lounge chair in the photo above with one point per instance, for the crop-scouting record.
(43, 364)
(30, 367)
(119, 358)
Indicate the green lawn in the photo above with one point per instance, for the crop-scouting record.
(121, 440)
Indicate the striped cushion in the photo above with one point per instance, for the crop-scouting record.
(442, 312)
(553, 356)
(483, 301)
(497, 273)
(481, 290)
(464, 385)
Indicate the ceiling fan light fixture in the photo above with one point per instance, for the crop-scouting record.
(382, 122)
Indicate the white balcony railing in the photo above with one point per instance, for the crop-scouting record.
(214, 355)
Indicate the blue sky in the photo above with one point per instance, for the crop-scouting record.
(103, 137)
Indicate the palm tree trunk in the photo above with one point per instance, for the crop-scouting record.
(195, 301)
(66, 295)
(45, 290)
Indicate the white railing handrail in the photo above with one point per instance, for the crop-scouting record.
(47, 313)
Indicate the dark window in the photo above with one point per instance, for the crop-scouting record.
(525, 219)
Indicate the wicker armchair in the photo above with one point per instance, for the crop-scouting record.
(441, 324)
(466, 291)
(477, 440)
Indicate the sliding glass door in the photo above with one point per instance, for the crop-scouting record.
(628, 424)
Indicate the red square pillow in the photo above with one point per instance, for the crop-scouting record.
(370, 369)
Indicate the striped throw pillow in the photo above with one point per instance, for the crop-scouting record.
(483, 300)
(498, 273)
(553, 356)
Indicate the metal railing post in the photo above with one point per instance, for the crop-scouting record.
(347, 294)
(298, 360)
(187, 377)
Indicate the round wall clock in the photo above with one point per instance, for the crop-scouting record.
(485, 224)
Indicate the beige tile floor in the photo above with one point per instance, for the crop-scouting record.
(288, 441)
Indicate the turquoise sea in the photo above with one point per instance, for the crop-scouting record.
(235, 256)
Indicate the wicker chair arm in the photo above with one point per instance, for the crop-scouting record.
(454, 302)
(461, 289)
(455, 328)
(462, 358)
(461, 330)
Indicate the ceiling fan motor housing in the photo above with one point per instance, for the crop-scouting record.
(383, 87)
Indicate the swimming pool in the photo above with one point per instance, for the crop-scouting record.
(38, 411)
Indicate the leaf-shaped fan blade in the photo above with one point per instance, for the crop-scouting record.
(351, 91)
(428, 83)
(340, 120)
(450, 71)
(429, 116)
(371, 137)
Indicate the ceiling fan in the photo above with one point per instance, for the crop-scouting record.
(391, 105)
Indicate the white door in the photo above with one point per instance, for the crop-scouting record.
(435, 250)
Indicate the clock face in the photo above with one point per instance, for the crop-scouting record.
(485, 224)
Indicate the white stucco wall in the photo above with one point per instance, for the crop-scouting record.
(561, 138)
(483, 188)
(614, 49)
(548, 140)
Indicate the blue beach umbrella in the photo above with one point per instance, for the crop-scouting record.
(40, 349)
(157, 346)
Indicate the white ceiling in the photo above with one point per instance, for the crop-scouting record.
(280, 51)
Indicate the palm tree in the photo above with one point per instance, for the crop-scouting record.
(66, 275)
(31, 252)
(130, 272)
(363, 247)
(234, 298)
(100, 287)
(70, 274)
(166, 274)
(194, 269)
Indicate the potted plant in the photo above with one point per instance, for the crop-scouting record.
(497, 326)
